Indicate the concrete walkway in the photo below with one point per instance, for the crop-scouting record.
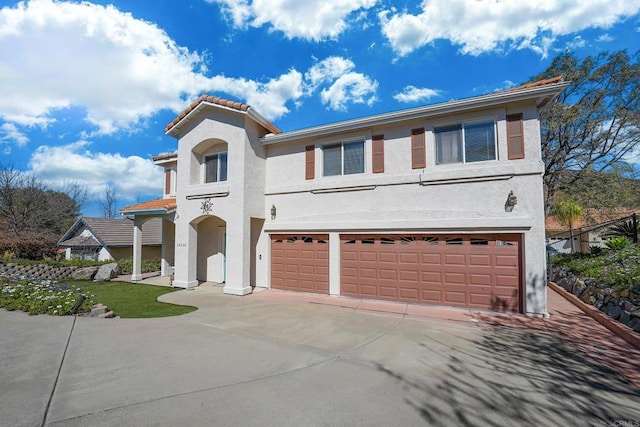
(275, 358)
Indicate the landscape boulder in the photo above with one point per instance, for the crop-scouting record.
(85, 273)
(107, 272)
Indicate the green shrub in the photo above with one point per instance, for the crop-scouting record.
(617, 243)
(148, 265)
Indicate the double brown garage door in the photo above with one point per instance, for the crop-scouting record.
(475, 271)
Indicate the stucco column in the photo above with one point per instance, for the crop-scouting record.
(186, 250)
(137, 250)
(334, 264)
(168, 246)
(238, 257)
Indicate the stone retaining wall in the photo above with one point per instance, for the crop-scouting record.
(37, 272)
(620, 305)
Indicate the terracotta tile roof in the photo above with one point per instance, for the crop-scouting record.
(538, 83)
(167, 204)
(165, 157)
(235, 105)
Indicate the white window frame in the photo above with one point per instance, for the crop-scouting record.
(463, 125)
(342, 159)
(205, 158)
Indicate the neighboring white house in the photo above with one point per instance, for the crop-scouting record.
(592, 230)
(441, 204)
(103, 239)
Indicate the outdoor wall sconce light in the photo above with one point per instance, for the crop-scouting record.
(512, 200)
(273, 211)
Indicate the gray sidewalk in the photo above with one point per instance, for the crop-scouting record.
(258, 361)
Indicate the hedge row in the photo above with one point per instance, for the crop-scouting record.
(30, 248)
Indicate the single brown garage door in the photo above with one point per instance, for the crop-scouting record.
(300, 263)
(475, 271)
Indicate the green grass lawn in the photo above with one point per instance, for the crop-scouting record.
(129, 300)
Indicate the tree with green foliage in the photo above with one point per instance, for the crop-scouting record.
(595, 124)
(568, 212)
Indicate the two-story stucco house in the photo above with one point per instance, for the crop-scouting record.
(441, 204)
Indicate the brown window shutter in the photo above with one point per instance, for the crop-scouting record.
(515, 136)
(167, 181)
(418, 153)
(310, 162)
(378, 153)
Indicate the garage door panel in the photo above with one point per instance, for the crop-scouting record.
(390, 257)
(454, 278)
(349, 256)
(480, 279)
(368, 256)
(479, 300)
(388, 291)
(408, 258)
(388, 274)
(454, 259)
(410, 294)
(409, 276)
(455, 298)
(479, 271)
(368, 290)
(431, 296)
(430, 258)
(506, 260)
(431, 277)
(480, 260)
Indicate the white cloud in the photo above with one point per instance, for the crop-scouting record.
(309, 19)
(327, 70)
(121, 70)
(414, 94)
(236, 11)
(10, 133)
(62, 54)
(131, 176)
(341, 84)
(479, 26)
(605, 38)
(353, 88)
(576, 43)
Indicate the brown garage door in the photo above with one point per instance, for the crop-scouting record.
(475, 271)
(300, 263)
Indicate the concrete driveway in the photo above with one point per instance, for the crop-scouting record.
(254, 361)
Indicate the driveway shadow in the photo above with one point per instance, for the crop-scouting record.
(513, 377)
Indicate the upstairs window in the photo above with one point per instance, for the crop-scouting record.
(465, 143)
(215, 166)
(343, 159)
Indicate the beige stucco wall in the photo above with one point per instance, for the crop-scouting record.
(461, 198)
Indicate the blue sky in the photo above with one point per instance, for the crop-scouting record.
(86, 89)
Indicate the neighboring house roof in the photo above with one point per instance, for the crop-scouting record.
(220, 102)
(157, 206)
(591, 218)
(111, 233)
